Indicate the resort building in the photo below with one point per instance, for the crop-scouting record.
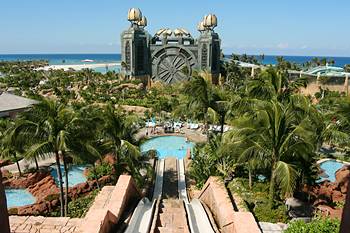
(11, 104)
(170, 55)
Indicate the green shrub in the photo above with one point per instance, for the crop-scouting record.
(264, 213)
(52, 197)
(316, 226)
(78, 207)
(257, 200)
(100, 170)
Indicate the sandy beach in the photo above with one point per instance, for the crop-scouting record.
(78, 67)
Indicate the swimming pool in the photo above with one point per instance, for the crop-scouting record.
(330, 167)
(18, 197)
(168, 146)
(75, 174)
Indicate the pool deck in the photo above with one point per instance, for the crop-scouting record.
(28, 164)
(328, 159)
(192, 135)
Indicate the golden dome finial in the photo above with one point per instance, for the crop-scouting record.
(134, 15)
(142, 22)
(210, 21)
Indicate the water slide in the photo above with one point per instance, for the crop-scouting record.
(141, 219)
(197, 217)
(145, 213)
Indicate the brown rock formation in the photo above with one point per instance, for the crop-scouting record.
(342, 178)
(25, 181)
(44, 188)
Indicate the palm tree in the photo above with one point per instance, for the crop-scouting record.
(197, 92)
(278, 138)
(53, 122)
(115, 133)
(11, 145)
(272, 83)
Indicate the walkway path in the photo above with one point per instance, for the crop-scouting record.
(26, 164)
(39, 224)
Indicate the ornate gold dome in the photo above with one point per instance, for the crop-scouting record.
(200, 26)
(142, 22)
(134, 15)
(210, 21)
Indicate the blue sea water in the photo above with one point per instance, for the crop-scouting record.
(271, 59)
(61, 59)
(168, 146)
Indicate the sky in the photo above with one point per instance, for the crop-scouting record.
(271, 27)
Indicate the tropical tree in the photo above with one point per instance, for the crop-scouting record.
(53, 123)
(114, 134)
(279, 139)
(272, 83)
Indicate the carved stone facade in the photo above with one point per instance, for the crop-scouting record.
(170, 55)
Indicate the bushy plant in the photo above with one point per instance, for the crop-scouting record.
(264, 213)
(325, 225)
(100, 170)
(78, 207)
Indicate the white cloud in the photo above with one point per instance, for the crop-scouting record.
(282, 45)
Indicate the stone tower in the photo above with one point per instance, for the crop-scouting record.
(209, 51)
(135, 46)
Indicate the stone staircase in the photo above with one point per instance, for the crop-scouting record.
(172, 217)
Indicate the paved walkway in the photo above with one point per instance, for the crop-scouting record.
(192, 135)
(39, 224)
(25, 164)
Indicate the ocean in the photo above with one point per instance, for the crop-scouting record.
(61, 59)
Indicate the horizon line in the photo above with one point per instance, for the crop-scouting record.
(225, 54)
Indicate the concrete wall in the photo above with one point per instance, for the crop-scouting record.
(109, 206)
(214, 195)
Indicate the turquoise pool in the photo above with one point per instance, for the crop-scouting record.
(75, 174)
(18, 197)
(103, 70)
(330, 167)
(168, 146)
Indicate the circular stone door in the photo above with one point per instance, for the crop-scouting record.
(172, 64)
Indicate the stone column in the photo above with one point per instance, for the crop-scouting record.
(4, 218)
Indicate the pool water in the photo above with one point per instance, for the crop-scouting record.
(175, 146)
(75, 174)
(103, 70)
(330, 167)
(18, 197)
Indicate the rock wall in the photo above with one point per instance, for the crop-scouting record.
(326, 194)
(43, 187)
(214, 195)
(109, 205)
